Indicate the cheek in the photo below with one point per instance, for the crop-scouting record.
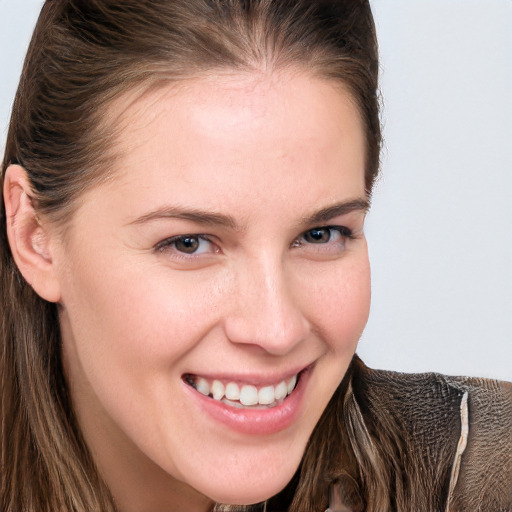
(139, 318)
(128, 331)
(339, 306)
(354, 305)
(338, 302)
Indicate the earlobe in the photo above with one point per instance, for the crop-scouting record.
(30, 239)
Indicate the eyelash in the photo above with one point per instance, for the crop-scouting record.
(170, 243)
(344, 232)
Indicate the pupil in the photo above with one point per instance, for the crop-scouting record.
(318, 235)
(188, 244)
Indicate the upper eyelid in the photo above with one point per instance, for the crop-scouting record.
(202, 236)
(334, 227)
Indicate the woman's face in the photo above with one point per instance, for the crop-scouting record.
(225, 257)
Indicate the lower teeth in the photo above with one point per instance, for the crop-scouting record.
(238, 405)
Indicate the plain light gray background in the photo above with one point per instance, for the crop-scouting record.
(440, 230)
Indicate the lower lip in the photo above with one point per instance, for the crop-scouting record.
(255, 421)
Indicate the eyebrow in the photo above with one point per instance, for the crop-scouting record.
(218, 219)
(191, 214)
(337, 210)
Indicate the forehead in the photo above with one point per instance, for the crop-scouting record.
(248, 131)
(242, 100)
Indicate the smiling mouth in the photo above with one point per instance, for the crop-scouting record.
(241, 395)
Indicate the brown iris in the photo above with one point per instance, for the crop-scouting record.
(318, 235)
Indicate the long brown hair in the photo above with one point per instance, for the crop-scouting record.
(84, 54)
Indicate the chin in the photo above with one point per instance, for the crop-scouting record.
(249, 489)
(251, 495)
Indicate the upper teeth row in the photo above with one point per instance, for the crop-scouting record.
(246, 394)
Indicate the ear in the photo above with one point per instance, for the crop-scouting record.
(29, 238)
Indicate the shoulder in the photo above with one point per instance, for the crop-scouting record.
(459, 422)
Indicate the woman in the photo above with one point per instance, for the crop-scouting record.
(185, 273)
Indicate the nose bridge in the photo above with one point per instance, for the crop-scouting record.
(266, 312)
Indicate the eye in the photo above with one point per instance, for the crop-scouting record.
(324, 235)
(324, 239)
(187, 245)
(318, 235)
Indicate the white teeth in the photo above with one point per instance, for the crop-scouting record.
(249, 395)
(281, 390)
(217, 390)
(232, 391)
(291, 384)
(266, 395)
(202, 386)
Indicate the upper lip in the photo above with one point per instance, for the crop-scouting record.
(255, 378)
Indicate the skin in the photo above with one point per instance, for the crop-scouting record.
(259, 298)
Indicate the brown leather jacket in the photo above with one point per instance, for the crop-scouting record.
(444, 443)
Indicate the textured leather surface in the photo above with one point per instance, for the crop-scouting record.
(425, 410)
(485, 480)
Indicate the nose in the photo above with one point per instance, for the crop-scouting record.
(265, 310)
